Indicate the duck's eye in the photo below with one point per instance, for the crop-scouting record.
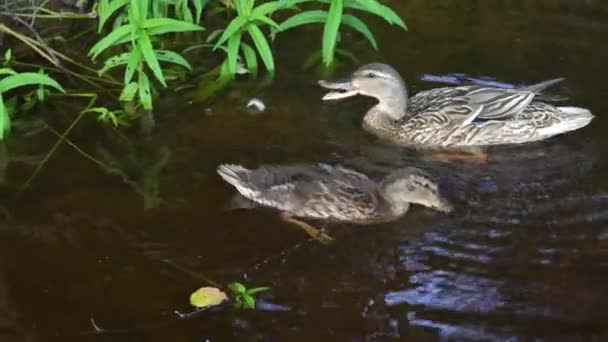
(371, 75)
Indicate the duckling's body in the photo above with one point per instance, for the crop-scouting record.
(456, 117)
(334, 193)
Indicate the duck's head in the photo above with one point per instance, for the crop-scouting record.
(376, 80)
(410, 185)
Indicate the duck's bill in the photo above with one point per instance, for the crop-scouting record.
(340, 89)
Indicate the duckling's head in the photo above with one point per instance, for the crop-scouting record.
(377, 80)
(412, 185)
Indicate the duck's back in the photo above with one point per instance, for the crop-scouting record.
(307, 190)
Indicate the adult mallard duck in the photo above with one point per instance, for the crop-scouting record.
(455, 117)
(333, 193)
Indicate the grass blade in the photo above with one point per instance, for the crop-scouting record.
(233, 51)
(261, 44)
(330, 30)
(132, 64)
(361, 27)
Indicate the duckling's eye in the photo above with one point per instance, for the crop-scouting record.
(371, 75)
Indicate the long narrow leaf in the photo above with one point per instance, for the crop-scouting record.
(235, 25)
(330, 30)
(376, 8)
(28, 78)
(5, 120)
(233, 51)
(133, 63)
(264, 19)
(269, 7)
(105, 10)
(360, 26)
(147, 51)
(261, 44)
(145, 93)
(7, 71)
(304, 18)
(250, 58)
(111, 39)
(113, 62)
(172, 57)
(241, 7)
(198, 9)
(157, 26)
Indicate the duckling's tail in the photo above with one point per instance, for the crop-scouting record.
(236, 176)
(572, 118)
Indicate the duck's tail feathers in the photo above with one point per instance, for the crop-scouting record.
(572, 118)
(236, 175)
(539, 87)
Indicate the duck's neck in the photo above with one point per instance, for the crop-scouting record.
(380, 122)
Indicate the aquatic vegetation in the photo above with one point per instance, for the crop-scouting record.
(244, 298)
(207, 296)
(9, 80)
(136, 29)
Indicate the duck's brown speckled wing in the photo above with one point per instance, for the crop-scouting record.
(320, 191)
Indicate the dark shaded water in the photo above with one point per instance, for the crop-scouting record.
(523, 257)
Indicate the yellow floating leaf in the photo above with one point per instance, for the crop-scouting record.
(207, 296)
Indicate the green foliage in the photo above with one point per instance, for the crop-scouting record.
(137, 31)
(244, 298)
(334, 17)
(9, 80)
(206, 297)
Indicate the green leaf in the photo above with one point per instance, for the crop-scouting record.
(198, 9)
(105, 10)
(27, 78)
(360, 26)
(147, 51)
(330, 30)
(158, 26)
(265, 19)
(128, 92)
(233, 51)
(241, 7)
(249, 302)
(5, 120)
(7, 71)
(261, 44)
(237, 287)
(114, 62)
(207, 296)
(304, 18)
(8, 54)
(269, 7)
(257, 290)
(235, 25)
(145, 94)
(250, 58)
(374, 7)
(110, 40)
(133, 63)
(172, 57)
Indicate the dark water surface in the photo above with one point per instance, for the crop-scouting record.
(524, 257)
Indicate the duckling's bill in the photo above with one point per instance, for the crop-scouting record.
(342, 89)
